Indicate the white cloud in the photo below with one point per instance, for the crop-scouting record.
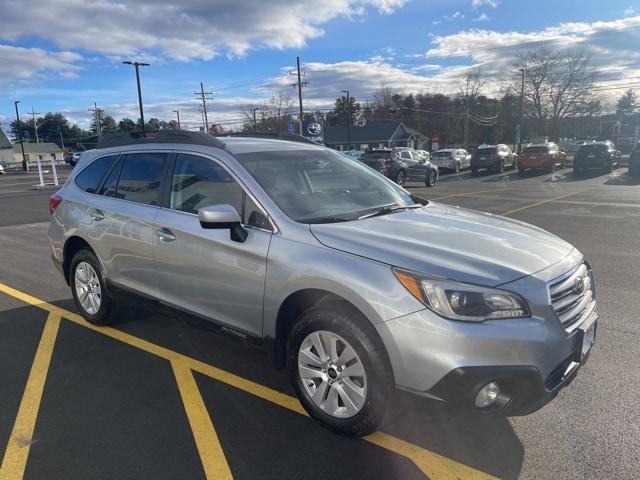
(480, 3)
(21, 64)
(611, 46)
(455, 15)
(481, 18)
(629, 11)
(190, 29)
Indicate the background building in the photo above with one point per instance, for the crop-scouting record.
(6, 150)
(375, 135)
(44, 152)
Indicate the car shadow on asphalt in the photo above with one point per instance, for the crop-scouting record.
(486, 443)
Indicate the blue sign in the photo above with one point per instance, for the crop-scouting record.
(292, 127)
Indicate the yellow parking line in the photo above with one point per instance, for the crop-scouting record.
(435, 466)
(469, 194)
(211, 453)
(15, 456)
(509, 212)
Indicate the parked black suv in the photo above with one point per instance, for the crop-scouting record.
(596, 155)
(494, 158)
(634, 162)
(402, 165)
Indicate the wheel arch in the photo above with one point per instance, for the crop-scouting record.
(301, 300)
(73, 245)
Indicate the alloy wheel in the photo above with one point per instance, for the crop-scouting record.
(87, 286)
(400, 179)
(332, 374)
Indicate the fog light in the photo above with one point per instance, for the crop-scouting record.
(487, 395)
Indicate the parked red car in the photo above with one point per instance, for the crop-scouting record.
(547, 156)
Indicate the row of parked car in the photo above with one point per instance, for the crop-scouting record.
(404, 164)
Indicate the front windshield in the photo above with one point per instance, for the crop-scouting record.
(321, 186)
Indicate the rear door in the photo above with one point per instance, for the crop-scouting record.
(415, 169)
(122, 219)
(203, 270)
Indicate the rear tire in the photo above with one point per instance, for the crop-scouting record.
(457, 169)
(474, 171)
(89, 289)
(401, 178)
(356, 406)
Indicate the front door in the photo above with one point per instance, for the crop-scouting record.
(122, 218)
(203, 270)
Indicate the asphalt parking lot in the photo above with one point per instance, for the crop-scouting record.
(161, 395)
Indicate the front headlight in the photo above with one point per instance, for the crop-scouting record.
(461, 301)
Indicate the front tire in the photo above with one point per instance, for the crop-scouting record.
(89, 288)
(430, 181)
(401, 178)
(339, 369)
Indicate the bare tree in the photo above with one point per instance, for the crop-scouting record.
(556, 85)
(271, 115)
(470, 84)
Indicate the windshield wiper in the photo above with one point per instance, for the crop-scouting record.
(326, 220)
(388, 209)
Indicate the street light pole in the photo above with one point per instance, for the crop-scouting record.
(24, 160)
(348, 120)
(137, 66)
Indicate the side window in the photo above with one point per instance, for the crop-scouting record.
(89, 178)
(405, 154)
(198, 182)
(111, 183)
(140, 177)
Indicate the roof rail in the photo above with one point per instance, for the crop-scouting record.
(292, 137)
(118, 139)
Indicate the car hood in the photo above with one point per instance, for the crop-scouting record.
(450, 242)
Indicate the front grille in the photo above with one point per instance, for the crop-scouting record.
(572, 296)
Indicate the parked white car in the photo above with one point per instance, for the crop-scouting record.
(454, 159)
(1, 169)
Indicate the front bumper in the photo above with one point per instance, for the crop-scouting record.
(532, 359)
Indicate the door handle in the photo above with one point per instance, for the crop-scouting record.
(96, 215)
(165, 235)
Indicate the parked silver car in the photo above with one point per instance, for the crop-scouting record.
(454, 159)
(359, 286)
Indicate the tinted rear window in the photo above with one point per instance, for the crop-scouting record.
(442, 154)
(140, 177)
(486, 151)
(593, 148)
(89, 178)
(375, 155)
(535, 150)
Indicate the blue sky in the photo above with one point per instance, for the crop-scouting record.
(64, 55)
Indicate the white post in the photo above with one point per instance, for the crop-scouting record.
(55, 173)
(40, 173)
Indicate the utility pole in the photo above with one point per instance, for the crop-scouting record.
(35, 125)
(466, 122)
(61, 139)
(204, 96)
(299, 84)
(137, 66)
(255, 121)
(177, 112)
(24, 160)
(519, 126)
(348, 120)
(96, 112)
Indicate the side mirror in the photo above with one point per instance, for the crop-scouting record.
(223, 216)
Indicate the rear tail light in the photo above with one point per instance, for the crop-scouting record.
(54, 201)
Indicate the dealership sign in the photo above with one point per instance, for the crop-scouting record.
(313, 131)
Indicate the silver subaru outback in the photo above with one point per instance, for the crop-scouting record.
(359, 287)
